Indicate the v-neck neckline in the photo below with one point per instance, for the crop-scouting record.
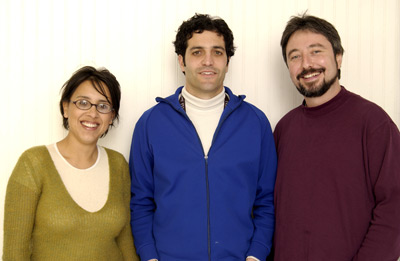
(68, 195)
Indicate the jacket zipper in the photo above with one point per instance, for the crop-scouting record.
(206, 167)
(208, 210)
(208, 186)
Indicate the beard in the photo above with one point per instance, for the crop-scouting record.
(316, 90)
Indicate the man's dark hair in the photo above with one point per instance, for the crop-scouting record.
(100, 79)
(199, 23)
(313, 24)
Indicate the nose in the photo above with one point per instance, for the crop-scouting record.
(93, 111)
(208, 59)
(307, 61)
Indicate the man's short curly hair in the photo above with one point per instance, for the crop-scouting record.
(199, 23)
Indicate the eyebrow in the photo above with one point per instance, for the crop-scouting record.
(317, 45)
(201, 47)
(88, 98)
(311, 46)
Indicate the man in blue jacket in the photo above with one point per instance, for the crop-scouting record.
(203, 161)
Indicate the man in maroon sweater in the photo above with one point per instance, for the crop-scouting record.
(337, 193)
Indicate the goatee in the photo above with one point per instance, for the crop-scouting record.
(316, 91)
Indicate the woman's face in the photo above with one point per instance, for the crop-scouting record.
(87, 126)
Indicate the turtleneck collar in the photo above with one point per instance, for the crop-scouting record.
(204, 105)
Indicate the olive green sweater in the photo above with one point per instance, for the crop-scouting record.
(43, 222)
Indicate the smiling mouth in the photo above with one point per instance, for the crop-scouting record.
(89, 124)
(309, 74)
(207, 73)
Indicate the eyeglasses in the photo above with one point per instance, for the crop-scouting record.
(86, 105)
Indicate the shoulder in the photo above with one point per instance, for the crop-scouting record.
(154, 114)
(371, 113)
(37, 151)
(288, 117)
(257, 112)
(115, 156)
(37, 156)
(117, 164)
(32, 166)
(167, 109)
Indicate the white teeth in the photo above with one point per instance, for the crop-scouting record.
(207, 73)
(311, 75)
(90, 125)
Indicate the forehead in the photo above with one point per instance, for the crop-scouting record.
(87, 88)
(307, 39)
(206, 39)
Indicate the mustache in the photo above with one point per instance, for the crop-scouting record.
(207, 68)
(309, 71)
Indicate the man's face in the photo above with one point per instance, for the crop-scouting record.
(205, 65)
(312, 64)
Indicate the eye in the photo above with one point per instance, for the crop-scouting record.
(219, 53)
(196, 53)
(104, 107)
(294, 57)
(83, 103)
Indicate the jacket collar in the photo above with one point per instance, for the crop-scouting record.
(173, 100)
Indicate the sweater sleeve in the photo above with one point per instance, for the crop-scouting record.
(125, 240)
(21, 200)
(263, 209)
(142, 202)
(382, 241)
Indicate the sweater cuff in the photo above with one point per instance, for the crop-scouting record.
(148, 252)
(260, 251)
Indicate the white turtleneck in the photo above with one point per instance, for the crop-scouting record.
(205, 115)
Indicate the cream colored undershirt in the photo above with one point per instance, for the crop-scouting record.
(87, 187)
(205, 115)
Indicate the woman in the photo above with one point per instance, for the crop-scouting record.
(70, 200)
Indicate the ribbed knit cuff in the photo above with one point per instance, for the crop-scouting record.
(148, 252)
(258, 250)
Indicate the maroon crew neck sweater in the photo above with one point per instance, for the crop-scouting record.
(337, 193)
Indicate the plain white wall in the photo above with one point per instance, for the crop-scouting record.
(42, 42)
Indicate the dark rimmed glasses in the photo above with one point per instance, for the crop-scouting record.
(86, 105)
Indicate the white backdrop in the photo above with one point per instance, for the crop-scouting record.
(42, 42)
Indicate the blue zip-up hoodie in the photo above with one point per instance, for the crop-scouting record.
(190, 206)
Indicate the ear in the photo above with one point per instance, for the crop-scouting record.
(65, 108)
(181, 63)
(339, 60)
(112, 118)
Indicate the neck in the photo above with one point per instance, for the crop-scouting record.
(204, 95)
(330, 94)
(77, 154)
(203, 104)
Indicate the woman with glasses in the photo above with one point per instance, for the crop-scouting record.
(70, 200)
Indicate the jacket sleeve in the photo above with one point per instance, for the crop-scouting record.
(382, 241)
(21, 200)
(142, 188)
(263, 209)
(125, 240)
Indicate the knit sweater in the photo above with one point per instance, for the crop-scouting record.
(337, 193)
(43, 222)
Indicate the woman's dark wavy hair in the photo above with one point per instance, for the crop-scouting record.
(314, 24)
(199, 23)
(100, 78)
